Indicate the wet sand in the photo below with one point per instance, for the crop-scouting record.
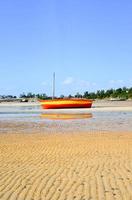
(88, 159)
(74, 166)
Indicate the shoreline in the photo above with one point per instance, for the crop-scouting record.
(68, 111)
(98, 106)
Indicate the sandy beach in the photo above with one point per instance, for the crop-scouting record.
(78, 159)
(82, 166)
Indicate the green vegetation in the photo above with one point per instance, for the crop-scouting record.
(120, 93)
(31, 95)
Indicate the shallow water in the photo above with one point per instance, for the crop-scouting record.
(30, 119)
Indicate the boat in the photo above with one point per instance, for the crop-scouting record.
(59, 103)
(66, 103)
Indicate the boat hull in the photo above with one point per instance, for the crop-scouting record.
(66, 103)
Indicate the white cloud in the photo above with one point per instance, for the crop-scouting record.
(79, 84)
(116, 82)
(84, 83)
(94, 84)
(68, 81)
(43, 83)
(130, 81)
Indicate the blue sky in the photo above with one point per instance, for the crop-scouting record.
(87, 43)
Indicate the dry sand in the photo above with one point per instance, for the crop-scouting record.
(86, 166)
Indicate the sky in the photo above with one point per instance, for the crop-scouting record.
(88, 44)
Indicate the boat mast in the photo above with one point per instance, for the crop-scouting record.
(53, 96)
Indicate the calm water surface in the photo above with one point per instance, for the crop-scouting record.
(30, 119)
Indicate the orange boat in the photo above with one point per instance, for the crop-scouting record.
(66, 103)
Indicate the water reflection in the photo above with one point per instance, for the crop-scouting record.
(66, 116)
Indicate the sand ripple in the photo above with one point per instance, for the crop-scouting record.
(66, 167)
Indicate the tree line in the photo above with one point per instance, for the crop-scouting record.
(119, 93)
